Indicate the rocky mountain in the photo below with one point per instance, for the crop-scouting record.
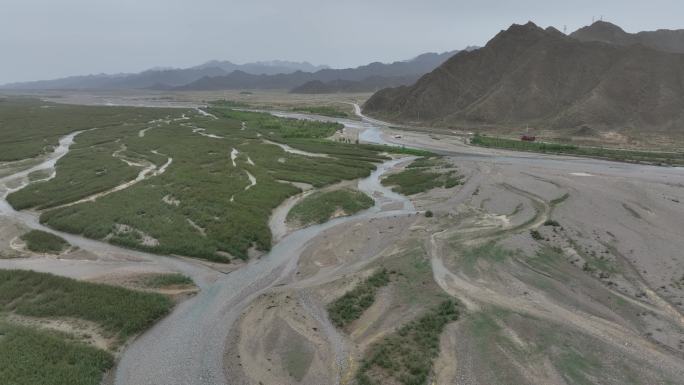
(662, 39)
(541, 77)
(364, 78)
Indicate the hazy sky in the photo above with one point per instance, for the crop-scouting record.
(42, 39)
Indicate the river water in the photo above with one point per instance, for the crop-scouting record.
(187, 346)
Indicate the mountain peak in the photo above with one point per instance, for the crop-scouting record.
(602, 31)
(518, 34)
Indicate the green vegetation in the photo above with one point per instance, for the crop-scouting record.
(352, 304)
(551, 222)
(321, 206)
(406, 356)
(39, 175)
(422, 175)
(429, 214)
(297, 358)
(323, 110)
(32, 127)
(231, 103)
(398, 150)
(489, 251)
(652, 157)
(30, 357)
(204, 205)
(43, 242)
(81, 174)
(166, 280)
(120, 312)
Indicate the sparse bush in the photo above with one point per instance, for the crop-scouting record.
(407, 354)
(551, 222)
(536, 235)
(165, 280)
(428, 214)
(351, 305)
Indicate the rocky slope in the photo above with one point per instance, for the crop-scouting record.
(529, 75)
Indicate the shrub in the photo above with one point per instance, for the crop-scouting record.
(536, 235)
(428, 214)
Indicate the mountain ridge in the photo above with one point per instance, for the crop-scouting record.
(661, 39)
(529, 75)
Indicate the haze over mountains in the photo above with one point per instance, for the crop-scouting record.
(165, 77)
(529, 75)
(224, 75)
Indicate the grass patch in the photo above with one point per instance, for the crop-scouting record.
(121, 312)
(323, 110)
(398, 150)
(489, 251)
(43, 242)
(30, 357)
(165, 280)
(31, 127)
(422, 175)
(576, 367)
(351, 305)
(652, 157)
(38, 175)
(320, 207)
(406, 356)
(297, 359)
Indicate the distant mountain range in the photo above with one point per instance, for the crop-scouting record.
(164, 78)
(662, 39)
(224, 75)
(272, 67)
(541, 77)
(369, 77)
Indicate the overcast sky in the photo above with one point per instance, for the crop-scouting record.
(41, 39)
